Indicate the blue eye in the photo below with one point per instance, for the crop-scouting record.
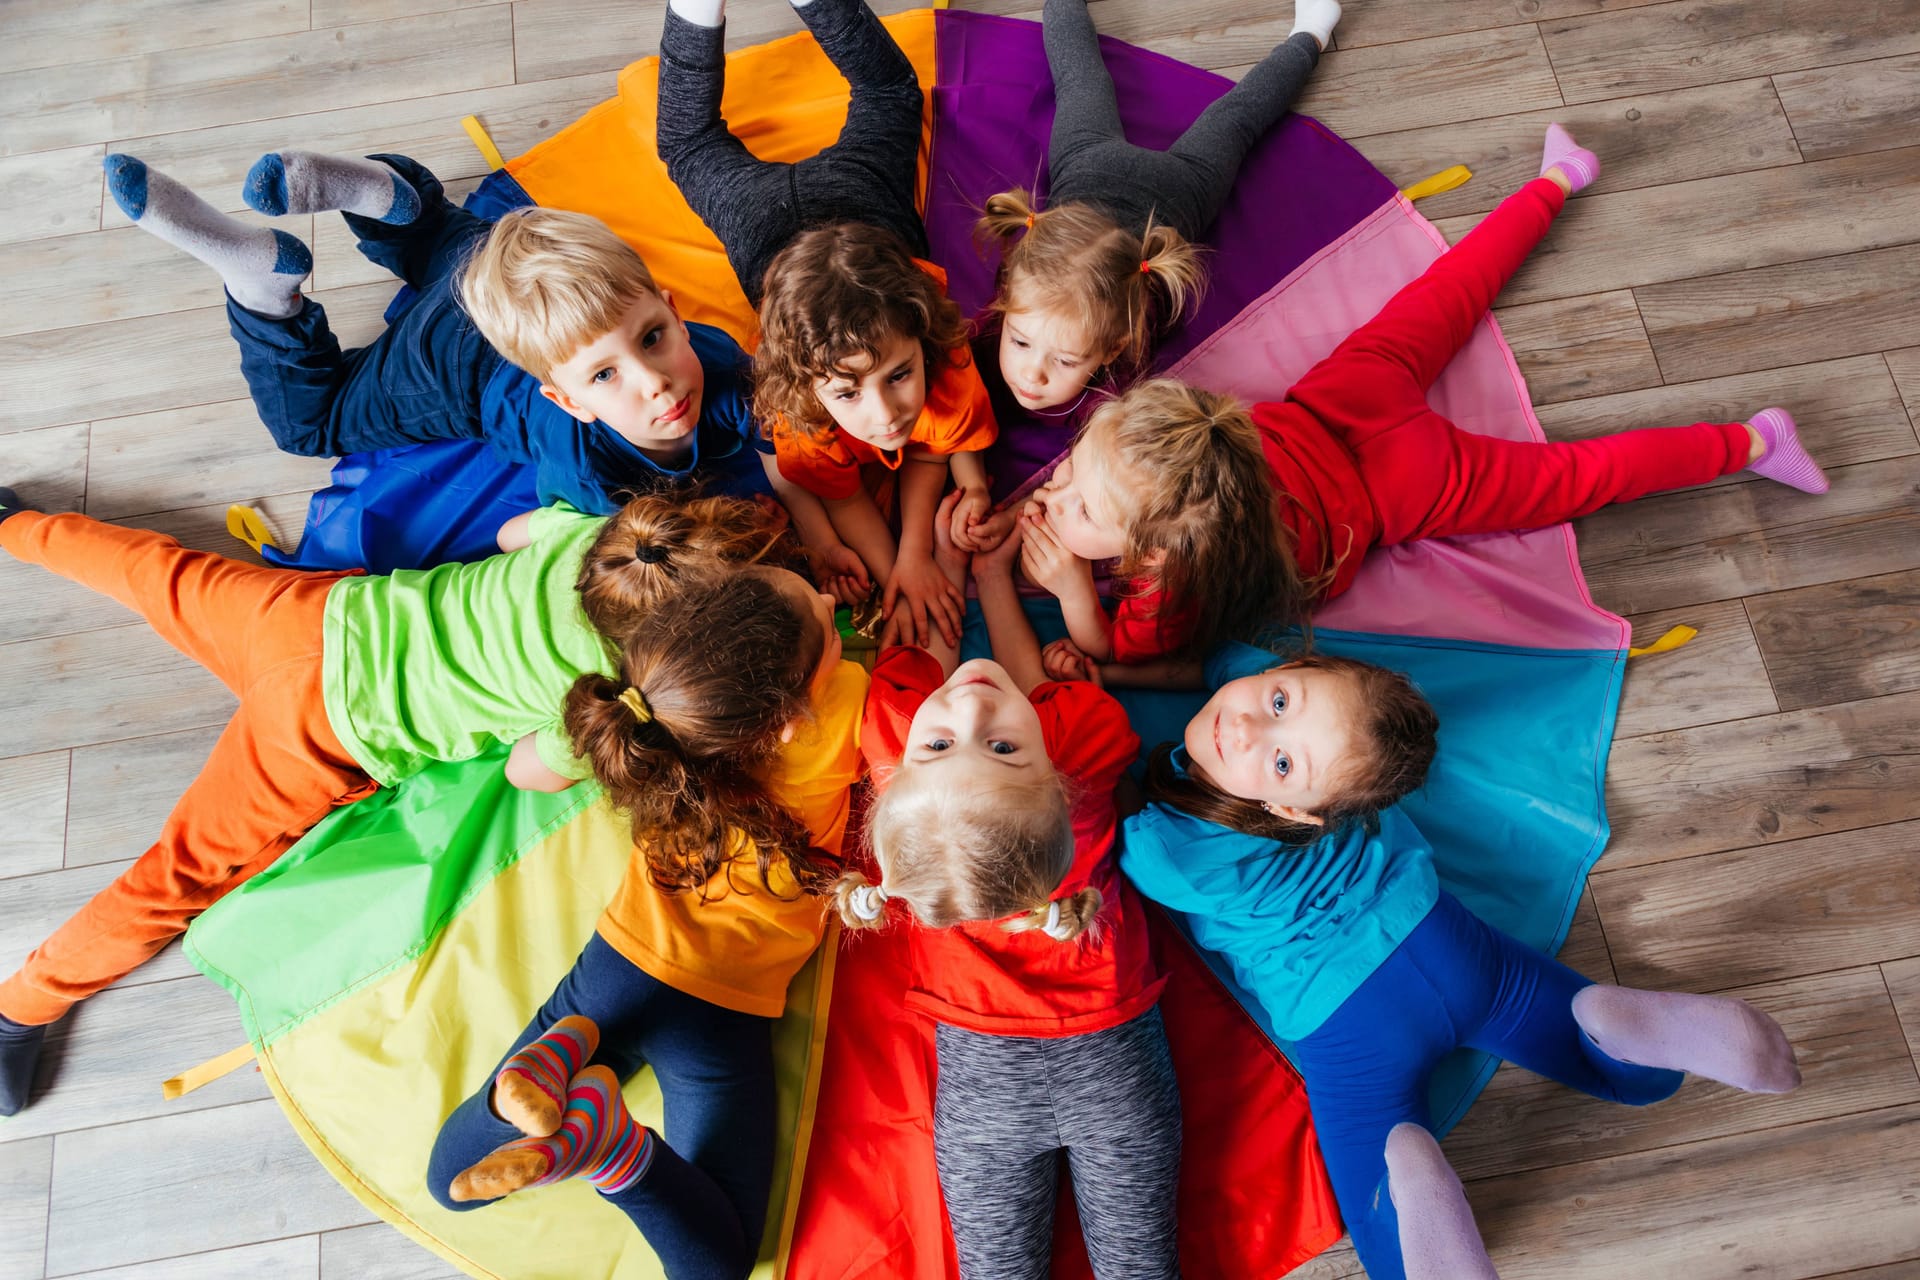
(939, 744)
(603, 375)
(1279, 701)
(1281, 764)
(1003, 748)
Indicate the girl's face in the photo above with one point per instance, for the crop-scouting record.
(978, 729)
(1280, 739)
(878, 401)
(1046, 359)
(1083, 503)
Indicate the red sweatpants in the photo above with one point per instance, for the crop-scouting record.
(1427, 478)
(276, 770)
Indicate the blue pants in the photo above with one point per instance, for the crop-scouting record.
(1456, 981)
(702, 1203)
(420, 380)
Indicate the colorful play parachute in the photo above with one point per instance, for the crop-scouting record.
(384, 962)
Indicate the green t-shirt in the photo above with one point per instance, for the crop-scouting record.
(438, 664)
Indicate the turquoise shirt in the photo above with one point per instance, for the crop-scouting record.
(1301, 926)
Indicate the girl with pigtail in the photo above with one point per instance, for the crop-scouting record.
(733, 761)
(994, 830)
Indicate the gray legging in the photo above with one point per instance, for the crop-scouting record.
(755, 206)
(1006, 1108)
(1184, 186)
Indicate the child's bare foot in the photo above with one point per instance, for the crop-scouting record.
(1778, 454)
(1566, 163)
(530, 1091)
(598, 1141)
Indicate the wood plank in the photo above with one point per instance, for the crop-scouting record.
(1384, 23)
(145, 777)
(104, 1063)
(1668, 46)
(1783, 314)
(1845, 1035)
(1420, 83)
(1909, 1270)
(1644, 141)
(34, 906)
(337, 260)
(1718, 675)
(230, 1176)
(48, 33)
(109, 275)
(1585, 949)
(338, 13)
(1762, 780)
(1764, 914)
(1848, 411)
(1619, 239)
(50, 193)
(1726, 1209)
(42, 604)
(1841, 641)
(214, 161)
(292, 1259)
(1903, 982)
(159, 362)
(1337, 1263)
(359, 1253)
(33, 812)
(101, 686)
(1857, 106)
(48, 467)
(26, 1171)
(256, 79)
(189, 458)
(1714, 543)
(1574, 347)
(1905, 367)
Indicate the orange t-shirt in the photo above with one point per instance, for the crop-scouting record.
(957, 418)
(740, 945)
(977, 975)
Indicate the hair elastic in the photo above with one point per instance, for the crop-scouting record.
(1053, 928)
(1030, 218)
(1145, 266)
(869, 901)
(635, 701)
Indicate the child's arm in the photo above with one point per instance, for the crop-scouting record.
(931, 601)
(952, 563)
(1050, 565)
(841, 571)
(860, 526)
(528, 772)
(1015, 646)
(971, 531)
(516, 533)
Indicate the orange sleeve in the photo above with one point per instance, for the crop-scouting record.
(822, 464)
(901, 681)
(1088, 736)
(959, 414)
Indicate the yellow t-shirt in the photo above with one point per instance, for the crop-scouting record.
(740, 945)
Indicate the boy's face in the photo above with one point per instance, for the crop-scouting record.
(642, 378)
(878, 401)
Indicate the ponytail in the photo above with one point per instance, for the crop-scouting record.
(861, 903)
(1062, 919)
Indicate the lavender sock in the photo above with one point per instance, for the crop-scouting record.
(1438, 1237)
(1713, 1036)
(1782, 457)
(1579, 165)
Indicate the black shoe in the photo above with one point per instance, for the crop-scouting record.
(19, 1055)
(10, 504)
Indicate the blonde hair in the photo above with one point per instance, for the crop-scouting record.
(1122, 290)
(982, 854)
(1200, 513)
(545, 283)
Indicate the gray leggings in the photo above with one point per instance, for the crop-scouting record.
(755, 207)
(1184, 186)
(1004, 1110)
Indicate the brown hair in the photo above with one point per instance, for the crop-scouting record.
(1122, 290)
(953, 856)
(1397, 725)
(654, 544)
(1203, 524)
(545, 282)
(834, 294)
(709, 679)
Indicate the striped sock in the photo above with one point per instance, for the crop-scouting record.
(598, 1140)
(1783, 458)
(1579, 165)
(530, 1091)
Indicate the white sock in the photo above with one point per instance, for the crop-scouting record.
(701, 13)
(1317, 18)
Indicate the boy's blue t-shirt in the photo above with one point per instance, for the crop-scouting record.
(1302, 926)
(588, 465)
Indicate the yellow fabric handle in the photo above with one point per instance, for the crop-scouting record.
(247, 524)
(482, 140)
(207, 1072)
(1672, 640)
(1446, 180)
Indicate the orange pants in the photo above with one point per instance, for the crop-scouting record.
(276, 770)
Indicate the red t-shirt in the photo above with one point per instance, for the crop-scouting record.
(1323, 502)
(977, 975)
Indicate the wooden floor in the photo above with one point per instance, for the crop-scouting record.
(1755, 240)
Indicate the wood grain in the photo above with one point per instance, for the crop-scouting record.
(1337, 1263)
(1381, 24)
(99, 686)
(46, 33)
(1420, 83)
(145, 777)
(1856, 106)
(378, 1250)
(33, 812)
(36, 905)
(192, 457)
(1580, 346)
(1718, 675)
(1903, 983)
(1905, 367)
(1841, 641)
(50, 193)
(294, 1259)
(26, 1171)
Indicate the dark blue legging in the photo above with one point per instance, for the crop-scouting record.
(703, 1201)
(1455, 981)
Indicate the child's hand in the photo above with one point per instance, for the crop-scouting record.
(1047, 563)
(999, 558)
(842, 574)
(918, 598)
(969, 514)
(949, 552)
(1063, 660)
(990, 531)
